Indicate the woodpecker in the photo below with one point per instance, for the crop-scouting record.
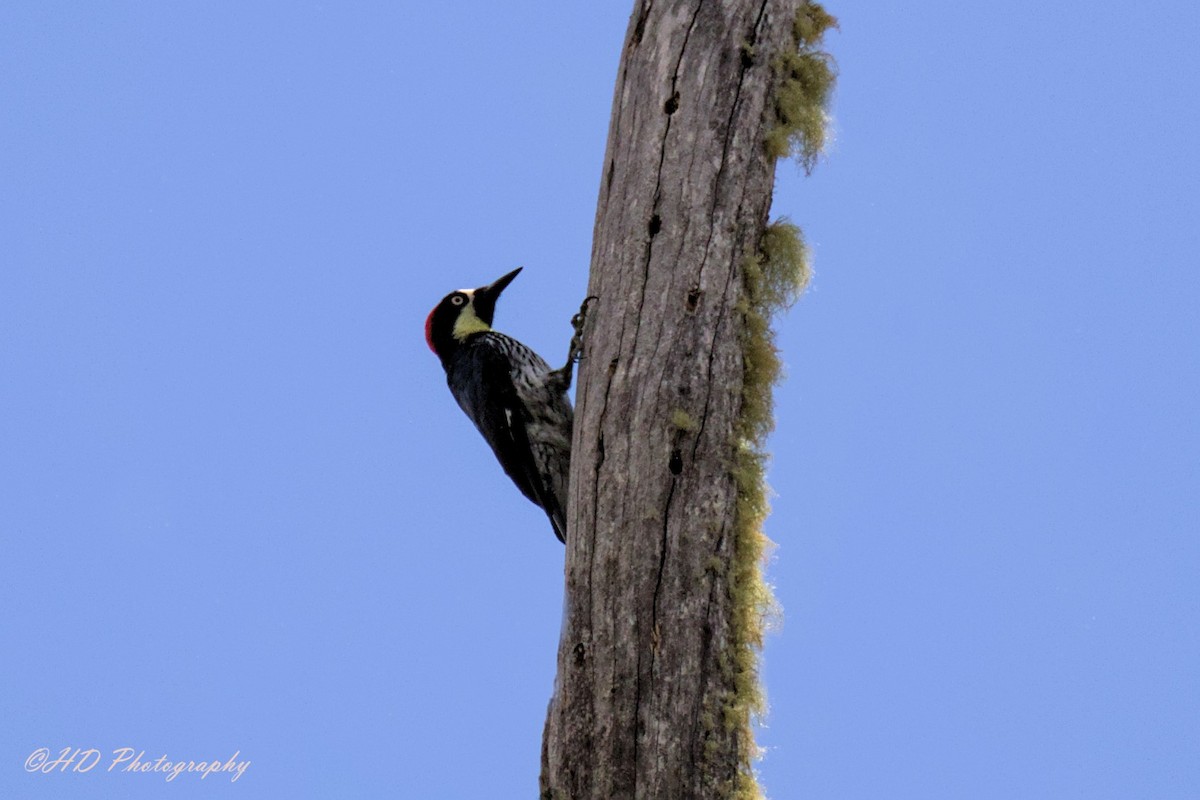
(512, 395)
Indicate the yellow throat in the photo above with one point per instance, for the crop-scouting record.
(468, 323)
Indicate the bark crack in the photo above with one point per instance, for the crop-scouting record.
(712, 354)
(662, 555)
(706, 647)
(654, 210)
(662, 157)
(729, 131)
(658, 582)
(600, 455)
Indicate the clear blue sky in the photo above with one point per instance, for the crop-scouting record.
(241, 512)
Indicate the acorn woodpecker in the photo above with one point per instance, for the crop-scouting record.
(512, 395)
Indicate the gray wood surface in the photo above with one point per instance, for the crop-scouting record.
(644, 659)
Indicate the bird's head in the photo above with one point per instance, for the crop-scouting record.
(463, 313)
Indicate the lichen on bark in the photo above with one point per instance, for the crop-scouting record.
(806, 78)
(773, 277)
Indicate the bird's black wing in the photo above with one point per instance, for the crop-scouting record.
(480, 381)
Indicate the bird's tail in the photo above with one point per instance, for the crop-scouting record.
(559, 522)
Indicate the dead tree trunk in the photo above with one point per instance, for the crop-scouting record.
(652, 692)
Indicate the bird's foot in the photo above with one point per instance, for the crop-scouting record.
(577, 322)
(574, 350)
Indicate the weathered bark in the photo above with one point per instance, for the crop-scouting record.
(645, 663)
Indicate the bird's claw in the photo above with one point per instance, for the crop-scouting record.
(578, 321)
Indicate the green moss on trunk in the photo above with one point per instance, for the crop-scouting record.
(773, 278)
(806, 78)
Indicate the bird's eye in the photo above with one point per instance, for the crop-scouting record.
(458, 300)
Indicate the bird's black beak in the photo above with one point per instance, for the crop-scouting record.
(486, 296)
